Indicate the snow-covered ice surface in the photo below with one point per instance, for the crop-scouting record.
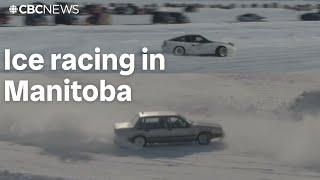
(75, 140)
(250, 93)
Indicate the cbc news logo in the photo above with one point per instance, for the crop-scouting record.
(44, 9)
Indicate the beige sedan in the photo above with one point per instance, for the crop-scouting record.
(166, 127)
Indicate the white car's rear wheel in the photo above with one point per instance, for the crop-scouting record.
(179, 51)
(139, 141)
(222, 51)
(204, 138)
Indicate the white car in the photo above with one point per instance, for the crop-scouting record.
(166, 127)
(197, 45)
(250, 18)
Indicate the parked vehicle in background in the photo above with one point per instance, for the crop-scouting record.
(126, 9)
(4, 18)
(99, 15)
(230, 6)
(150, 9)
(310, 17)
(305, 7)
(66, 19)
(36, 20)
(194, 44)
(165, 17)
(191, 8)
(249, 17)
(90, 8)
(166, 127)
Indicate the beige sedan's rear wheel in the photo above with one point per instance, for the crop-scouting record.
(139, 141)
(204, 138)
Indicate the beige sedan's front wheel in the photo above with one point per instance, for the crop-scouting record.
(204, 138)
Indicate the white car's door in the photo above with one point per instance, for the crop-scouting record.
(188, 47)
(204, 48)
(202, 45)
(194, 48)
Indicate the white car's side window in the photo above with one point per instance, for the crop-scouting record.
(189, 39)
(181, 39)
(198, 39)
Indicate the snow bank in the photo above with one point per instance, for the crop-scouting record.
(308, 103)
(6, 175)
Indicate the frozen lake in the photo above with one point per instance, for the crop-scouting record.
(248, 93)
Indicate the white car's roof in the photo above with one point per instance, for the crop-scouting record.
(188, 35)
(158, 113)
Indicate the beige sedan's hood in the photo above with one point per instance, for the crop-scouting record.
(122, 125)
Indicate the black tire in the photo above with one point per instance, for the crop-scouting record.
(204, 138)
(179, 51)
(139, 141)
(222, 51)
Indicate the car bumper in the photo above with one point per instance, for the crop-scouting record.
(217, 135)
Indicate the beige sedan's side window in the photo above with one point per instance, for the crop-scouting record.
(153, 123)
(176, 122)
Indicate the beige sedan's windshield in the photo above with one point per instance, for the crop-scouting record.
(135, 119)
